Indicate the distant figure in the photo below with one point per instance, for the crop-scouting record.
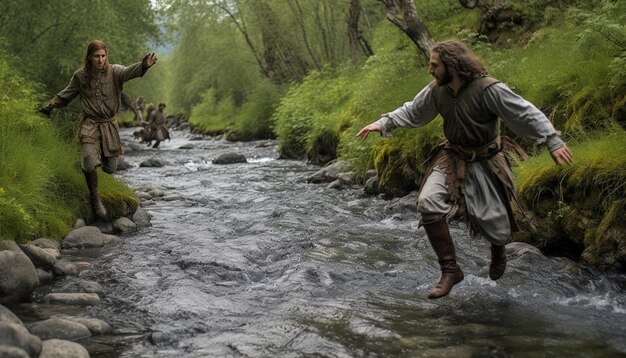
(469, 171)
(157, 125)
(138, 107)
(99, 86)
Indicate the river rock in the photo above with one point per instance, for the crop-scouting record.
(65, 267)
(16, 335)
(88, 236)
(152, 163)
(6, 316)
(10, 245)
(19, 276)
(78, 285)
(59, 348)
(230, 158)
(44, 276)
(46, 243)
(96, 326)
(403, 204)
(40, 257)
(78, 299)
(79, 223)
(123, 164)
(12, 352)
(59, 328)
(124, 225)
(329, 173)
(187, 146)
(371, 186)
(141, 218)
(517, 249)
(111, 239)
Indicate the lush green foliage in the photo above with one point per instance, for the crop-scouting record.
(47, 40)
(39, 169)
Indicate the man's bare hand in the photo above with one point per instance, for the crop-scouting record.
(562, 155)
(374, 127)
(149, 60)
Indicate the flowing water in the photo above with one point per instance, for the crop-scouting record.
(249, 260)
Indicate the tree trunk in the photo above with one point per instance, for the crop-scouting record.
(403, 14)
(358, 44)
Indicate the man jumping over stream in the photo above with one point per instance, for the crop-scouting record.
(469, 173)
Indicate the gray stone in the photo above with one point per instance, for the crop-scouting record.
(46, 243)
(6, 316)
(12, 352)
(152, 163)
(59, 328)
(16, 335)
(58, 348)
(517, 249)
(19, 276)
(65, 267)
(79, 223)
(78, 299)
(88, 236)
(124, 225)
(111, 239)
(77, 285)
(96, 326)
(39, 257)
(44, 276)
(230, 158)
(187, 146)
(329, 173)
(9, 245)
(371, 186)
(141, 218)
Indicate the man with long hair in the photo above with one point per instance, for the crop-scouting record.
(99, 85)
(468, 173)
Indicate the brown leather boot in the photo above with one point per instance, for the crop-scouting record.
(440, 240)
(498, 262)
(96, 205)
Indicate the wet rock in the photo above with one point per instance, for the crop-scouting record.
(329, 173)
(6, 316)
(141, 218)
(187, 146)
(371, 186)
(47, 243)
(16, 335)
(403, 204)
(65, 267)
(79, 223)
(59, 328)
(517, 249)
(58, 348)
(124, 225)
(153, 163)
(105, 227)
(78, 299)
(123, 165)
(44, 276)
(12, 352)
(40, 257)
(82, 265)
(19, 276)
(230, 158)
(77, 285)
(173, 197)
(88, 236)
(111, 239)
(10, 245)
(96, 326)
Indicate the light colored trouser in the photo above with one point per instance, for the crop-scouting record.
(485, 208)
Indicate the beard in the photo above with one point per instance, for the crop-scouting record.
(445, 79)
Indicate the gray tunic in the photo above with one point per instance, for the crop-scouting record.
(484, 205)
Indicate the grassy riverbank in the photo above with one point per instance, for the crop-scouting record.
(42, 188)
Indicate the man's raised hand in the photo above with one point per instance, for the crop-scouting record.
(374, 127)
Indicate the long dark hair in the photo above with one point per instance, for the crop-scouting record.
(454, 54)
(94, 46)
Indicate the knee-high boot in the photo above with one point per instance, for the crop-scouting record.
(440, 240)
(498, 262)
(96, 205)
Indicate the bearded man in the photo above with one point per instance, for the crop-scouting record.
(99, 85)
(469, 171)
